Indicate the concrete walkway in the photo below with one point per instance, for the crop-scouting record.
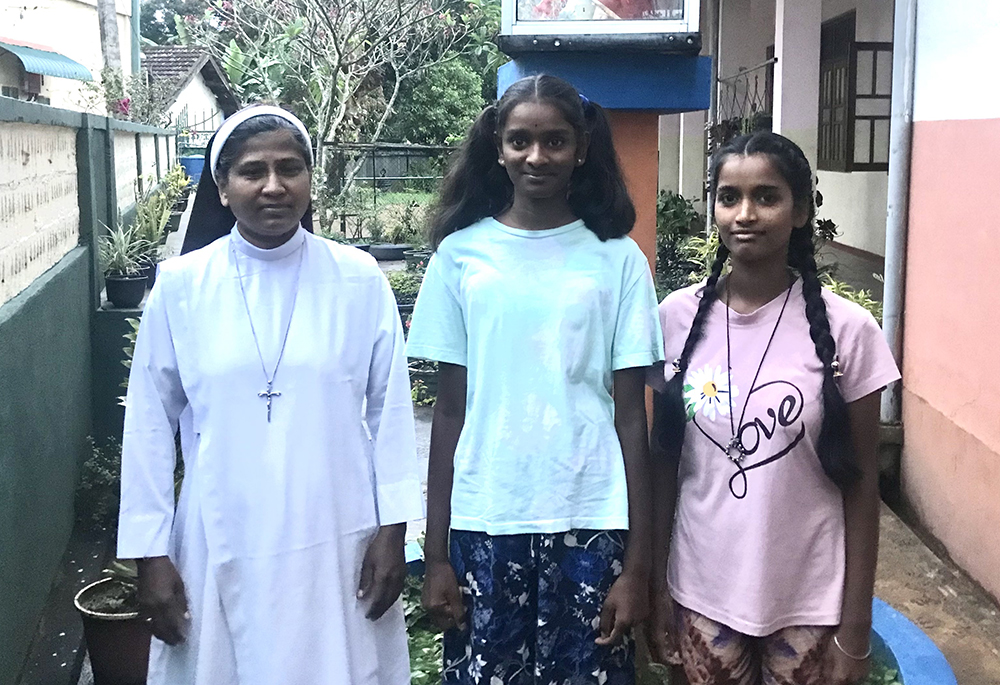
(958, 615)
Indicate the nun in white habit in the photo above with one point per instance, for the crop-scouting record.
(280, 354)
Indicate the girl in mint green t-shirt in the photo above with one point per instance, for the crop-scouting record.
(542, 316)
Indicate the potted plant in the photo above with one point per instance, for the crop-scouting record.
(122, 253)
(152, 214)
(405, 286)
(424, 372)
(176, 184)
(417, 258)
(402, 235)
(117, 640)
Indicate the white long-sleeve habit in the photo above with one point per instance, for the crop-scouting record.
(273, 518)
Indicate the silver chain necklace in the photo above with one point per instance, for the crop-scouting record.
(270, 393)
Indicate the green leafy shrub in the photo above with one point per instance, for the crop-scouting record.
(676, 221)
(405, 285)
(676, 216)
(426, 648)
(861, 297)
(438, 105)
(98, 493)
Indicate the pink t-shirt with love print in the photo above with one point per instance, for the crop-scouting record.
(763, 548)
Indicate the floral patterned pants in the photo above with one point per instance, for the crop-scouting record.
(714, 654)
(533, 605)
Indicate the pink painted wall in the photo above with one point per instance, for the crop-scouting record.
(951, 376)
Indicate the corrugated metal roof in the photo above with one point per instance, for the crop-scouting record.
(37, 61)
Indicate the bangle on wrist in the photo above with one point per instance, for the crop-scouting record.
(852, 656)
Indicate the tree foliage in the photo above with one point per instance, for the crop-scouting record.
(339, 64)
(157, 18)
(331, 60)
(437, 106)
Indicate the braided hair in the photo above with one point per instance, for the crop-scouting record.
(834, 447)
(476, 186)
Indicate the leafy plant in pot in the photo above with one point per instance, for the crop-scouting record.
(122, 253)
(117, 639)
(152, 214)
(405, 286)
(176, 184)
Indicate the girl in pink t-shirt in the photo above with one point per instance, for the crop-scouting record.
(765, 436)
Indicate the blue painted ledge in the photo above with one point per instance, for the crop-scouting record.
(900, 643)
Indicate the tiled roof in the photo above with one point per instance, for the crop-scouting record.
(176, 65)
(171, 62)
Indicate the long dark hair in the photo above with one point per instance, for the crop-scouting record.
(209, 219)
(835, 450)
(476, 186)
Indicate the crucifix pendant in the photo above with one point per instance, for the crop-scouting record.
(268, 394)
(735, 450)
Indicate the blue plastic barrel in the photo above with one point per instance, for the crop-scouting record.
(193, 165)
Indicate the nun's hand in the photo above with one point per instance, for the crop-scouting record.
(162, 600)
(383, 571)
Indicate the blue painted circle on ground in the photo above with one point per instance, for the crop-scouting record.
(904, 646)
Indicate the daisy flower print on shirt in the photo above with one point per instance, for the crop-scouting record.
(707, 391)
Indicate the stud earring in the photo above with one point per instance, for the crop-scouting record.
(500, 161)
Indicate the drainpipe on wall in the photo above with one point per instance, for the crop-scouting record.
(900, 139)
(135, 36)
(715, 40)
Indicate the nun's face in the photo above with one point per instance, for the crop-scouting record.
(267, 188)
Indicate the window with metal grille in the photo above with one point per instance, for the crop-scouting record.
(872, 102)
(836, 41)
(854, 96)
(10, 92)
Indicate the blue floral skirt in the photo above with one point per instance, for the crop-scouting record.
(533, 605)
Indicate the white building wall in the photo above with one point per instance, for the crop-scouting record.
(669, 176)
(856, 202)
(202, 105)
(71, 28)
(692, 157)
(747, 31)
(955, 61)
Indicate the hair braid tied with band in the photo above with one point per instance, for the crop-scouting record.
(669, 405)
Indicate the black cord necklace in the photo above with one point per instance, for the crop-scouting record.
(735, 449)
